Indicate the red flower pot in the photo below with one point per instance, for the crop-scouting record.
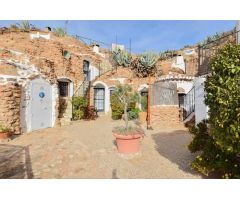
(128, 144)
(4, 135)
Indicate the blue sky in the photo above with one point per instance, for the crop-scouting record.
(154, 35)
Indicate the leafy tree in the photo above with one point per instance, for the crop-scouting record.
(223, 98)
(220, 143)
(126, 96)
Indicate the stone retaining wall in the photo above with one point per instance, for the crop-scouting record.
(161, 116)
(10, 106)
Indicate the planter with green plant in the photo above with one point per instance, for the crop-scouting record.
(127, 137)
(4, 132)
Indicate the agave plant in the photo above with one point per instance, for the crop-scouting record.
(145, 65)
(60, 32)
(148, 59)
(122, 58)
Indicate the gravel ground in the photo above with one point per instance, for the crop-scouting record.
(86, 149)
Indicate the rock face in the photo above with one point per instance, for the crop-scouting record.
(10, 106)
(23, 59)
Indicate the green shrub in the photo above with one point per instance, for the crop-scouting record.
(4, 128)
(117, 107)
(126, 97)
(25, 26)
(60, 32)
(219, 145)
(133, 113)
(144, 102)
(200, 137)
(223, 98)
(79, 107)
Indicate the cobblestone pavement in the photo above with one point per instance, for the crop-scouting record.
(86, 149)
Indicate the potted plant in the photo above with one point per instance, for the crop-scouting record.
(127, 137)
(4, 132)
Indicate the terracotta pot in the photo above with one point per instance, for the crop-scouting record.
(128, 144)
(143, 117)
(4, 135)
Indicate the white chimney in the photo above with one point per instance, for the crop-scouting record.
(95, 48)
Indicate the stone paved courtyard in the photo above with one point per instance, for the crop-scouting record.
(86, 149)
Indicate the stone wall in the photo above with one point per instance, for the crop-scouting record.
(10, 106)
(65, 110)
(162, 116)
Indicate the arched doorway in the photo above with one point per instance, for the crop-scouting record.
(99, 97)
(65, 89)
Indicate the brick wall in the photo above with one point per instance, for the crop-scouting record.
(10, 106)
(162, 116)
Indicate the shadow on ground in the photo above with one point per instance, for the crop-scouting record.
(173, 146)
(15, 162)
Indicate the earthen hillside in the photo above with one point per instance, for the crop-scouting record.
(47, 55)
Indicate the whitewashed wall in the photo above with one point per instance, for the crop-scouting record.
(186, 85)
(94, 72)
(201, 110)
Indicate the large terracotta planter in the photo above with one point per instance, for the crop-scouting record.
(128, 144)
(4, 135)
(142, 117)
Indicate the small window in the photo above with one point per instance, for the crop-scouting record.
(86, 66)
(63, 89)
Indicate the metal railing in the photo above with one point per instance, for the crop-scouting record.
(207, 51)
(189, 103)
(84, 86)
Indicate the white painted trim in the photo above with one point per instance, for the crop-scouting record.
(66, 79)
